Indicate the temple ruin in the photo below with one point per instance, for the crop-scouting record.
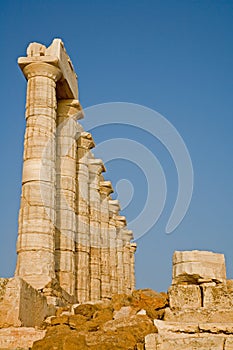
(74, 285)
(70, 229)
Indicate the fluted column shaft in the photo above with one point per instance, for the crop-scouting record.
(133, 247)
(114, 208)
(35, 245)
(68, 112)
(82, 241)
(95, 169)
(105, 190)
(121, 224)
(127, 236)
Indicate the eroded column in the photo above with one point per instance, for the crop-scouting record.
(68, 112)
(82, 240)
(35, 245)
(121, 224)
(105, 190)
(133, 248)
(96, 167)
(114, 208)
(127, 236)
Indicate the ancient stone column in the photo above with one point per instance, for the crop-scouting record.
(82, 241)
(105, 190)
(68, 112)
(35, 245)
(114, 208)
(127, 236)
(121, 225)
(133, 247)
(96, 167)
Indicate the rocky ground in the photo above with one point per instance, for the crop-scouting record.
(121, 323)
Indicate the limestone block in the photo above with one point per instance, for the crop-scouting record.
(38, 122)
(184, 297)
(36, 212)
(69, 87)
(176, 327)
(202, 315)
(66, 220)
(40, 225)
(190, 343)
(216, 328)
(68, 166)
(219, 297)
(67, 183)
(19, 338)
(37, 269)
(151, 342)
(38, 194)
(229, 343)
(65, 240)
(21, 305)
(195, 267)
(30, 241)
(38, 170)
(124, 312)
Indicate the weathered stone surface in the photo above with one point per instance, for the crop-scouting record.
(67, 230)
(21, 305)
(176, 327)
(19, 338)
(229, 344)
(195, 267)
(202, 315)
(184, 297)
(151, 341)
(61, 338)
(219, 297)
(125, 311)
(153, 302)
(189, 343)
(216, 328)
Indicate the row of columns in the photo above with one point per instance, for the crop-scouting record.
(69, 227)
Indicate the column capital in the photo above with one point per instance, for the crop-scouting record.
(127, 235)
(133, 247)
(114, 206)
(106, 188)
(69, 108)
(33, 69)
(96, 166)
(85, 141)
(121, 221)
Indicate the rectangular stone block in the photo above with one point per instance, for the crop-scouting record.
(195, 267)
(229, 343)
(184, 297)
(150, 341)
(202, 315)
(21, 305)
(219, 297)
(190, 343)
(19, 338)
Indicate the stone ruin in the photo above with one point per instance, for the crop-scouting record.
(70, 231)
(74, 284)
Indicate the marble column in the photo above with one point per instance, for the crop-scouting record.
(35, 245)
(105, 190)
(82, 240)
(133, 247)
(114, 208)
(68, 112)
(120, 224)
(127, 236)
(96, 167)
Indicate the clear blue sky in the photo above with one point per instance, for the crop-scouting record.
(172, 56)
